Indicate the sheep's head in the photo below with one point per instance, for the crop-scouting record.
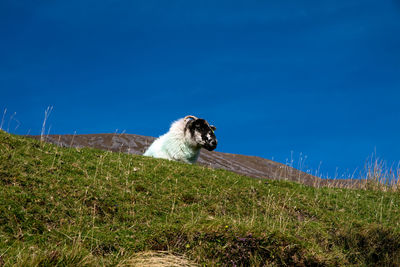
(201, 133)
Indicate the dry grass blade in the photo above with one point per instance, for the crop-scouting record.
(157, 259)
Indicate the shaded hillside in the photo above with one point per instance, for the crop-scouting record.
(246, 165)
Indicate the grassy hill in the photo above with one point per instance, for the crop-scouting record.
(86, 207)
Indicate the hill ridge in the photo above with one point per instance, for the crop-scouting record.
(252, 166)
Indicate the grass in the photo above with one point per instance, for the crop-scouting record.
(86, 207)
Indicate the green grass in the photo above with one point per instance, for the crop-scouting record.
(86, 207)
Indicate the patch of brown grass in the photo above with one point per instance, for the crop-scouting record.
(157, 259)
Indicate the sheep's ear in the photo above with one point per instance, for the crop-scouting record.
(213, 127)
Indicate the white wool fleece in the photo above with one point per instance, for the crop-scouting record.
(175, 145)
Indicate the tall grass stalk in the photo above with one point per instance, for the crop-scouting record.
(47, 113)
(10, 120)
(378, 174)
(2, 120)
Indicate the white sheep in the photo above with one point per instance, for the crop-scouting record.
(184, 140)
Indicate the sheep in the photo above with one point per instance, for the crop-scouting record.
(184, 140)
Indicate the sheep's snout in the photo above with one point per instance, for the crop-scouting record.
(211, 145)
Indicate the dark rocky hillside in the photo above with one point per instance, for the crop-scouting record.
(246, 165)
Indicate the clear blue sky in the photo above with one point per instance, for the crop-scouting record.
(321, 78)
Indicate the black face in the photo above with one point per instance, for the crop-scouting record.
(203, 133)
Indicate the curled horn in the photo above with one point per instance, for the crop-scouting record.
(190, 117)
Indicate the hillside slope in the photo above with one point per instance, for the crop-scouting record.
(87, 207)
(246, 165)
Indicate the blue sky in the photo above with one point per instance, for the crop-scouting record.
(321, 78)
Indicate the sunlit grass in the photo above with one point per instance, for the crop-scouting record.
(86, 207)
